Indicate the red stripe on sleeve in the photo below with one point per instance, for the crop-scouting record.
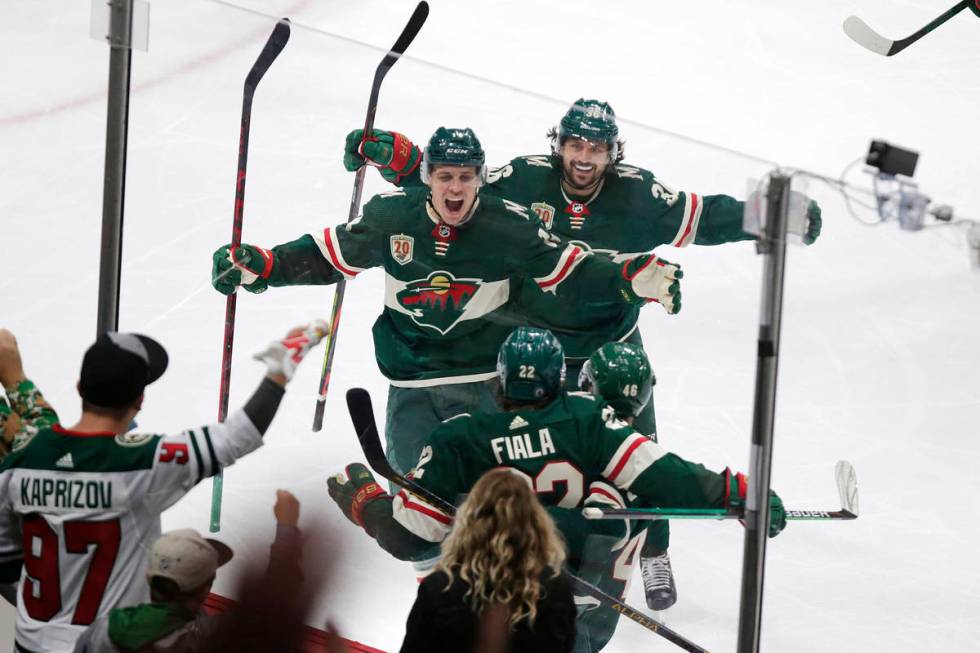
(334, 259)
(610, 495)
(564, 270)
(626, 456)
(267, 257)
(428, 512)
(690, 218)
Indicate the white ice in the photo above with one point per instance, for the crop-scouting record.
(879, 363)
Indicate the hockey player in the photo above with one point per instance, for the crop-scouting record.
(620, 374)
(448, 253)
(570, 447)
(584, 192)
(79, 506)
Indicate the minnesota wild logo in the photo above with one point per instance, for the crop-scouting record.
(437, 301)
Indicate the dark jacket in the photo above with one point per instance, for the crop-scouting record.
(442, 621)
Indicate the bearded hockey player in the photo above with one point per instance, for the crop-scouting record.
(448, 253)
(572, 449)
(584, 192)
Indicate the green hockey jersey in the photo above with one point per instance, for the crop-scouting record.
(447, 289)
(630, 212)
(573, 451)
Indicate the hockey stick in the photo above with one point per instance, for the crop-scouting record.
(846, 488)
(277, 41)
(397, 50)
(864, 36)
(362, 415)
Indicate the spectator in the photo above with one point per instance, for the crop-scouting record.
(79, 506)
(181, 569)
(275, 603)
(498, 585)
(180, 573)
(24, 411)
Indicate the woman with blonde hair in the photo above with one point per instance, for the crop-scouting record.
(498, 587)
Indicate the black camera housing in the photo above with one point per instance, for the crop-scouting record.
(892, 160)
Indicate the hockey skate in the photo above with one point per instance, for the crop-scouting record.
(658, 581)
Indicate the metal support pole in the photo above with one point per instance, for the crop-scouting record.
(114, 186)
(773, 247)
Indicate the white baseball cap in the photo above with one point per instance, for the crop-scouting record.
(186, 558)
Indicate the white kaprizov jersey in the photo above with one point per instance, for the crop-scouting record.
(81, 511)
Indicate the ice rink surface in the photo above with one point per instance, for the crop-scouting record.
(880, 361)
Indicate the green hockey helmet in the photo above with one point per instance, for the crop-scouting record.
(531, 364)
(621, 374)
(454, 147)
(591, 120)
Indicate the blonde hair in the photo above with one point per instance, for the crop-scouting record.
(502, 544)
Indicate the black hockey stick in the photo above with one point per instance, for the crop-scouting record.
(404, 40)
(277, 41)
(362, 415)
(846, 488)
(863, 35)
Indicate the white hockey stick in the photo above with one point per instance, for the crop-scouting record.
(866, 37)
(846, 488)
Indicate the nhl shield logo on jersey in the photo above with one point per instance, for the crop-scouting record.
(438, 301)
(577, 213)
(402, 247)
(545, 212)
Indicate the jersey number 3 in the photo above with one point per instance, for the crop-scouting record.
(41, 589)
(555, 476)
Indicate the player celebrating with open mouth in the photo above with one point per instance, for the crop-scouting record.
(449, 253)
(583, 192)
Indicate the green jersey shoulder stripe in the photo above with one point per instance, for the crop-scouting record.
(57, 449)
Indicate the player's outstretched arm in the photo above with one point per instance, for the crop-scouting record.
(366, 504)
(296, 263)
(720, 221)
(393, 154)
(318, 258)
(181, 461)
(551, 261)
(635, 464)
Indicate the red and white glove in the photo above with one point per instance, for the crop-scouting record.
(284, 356)
(655, 280)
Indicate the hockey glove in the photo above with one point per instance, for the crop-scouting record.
(392, 153)
(736, 486)
(283, 356)
(248, 266)
(813, 223)
(654, 280)
(355, 491)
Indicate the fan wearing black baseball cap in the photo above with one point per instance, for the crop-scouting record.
(80, 506)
